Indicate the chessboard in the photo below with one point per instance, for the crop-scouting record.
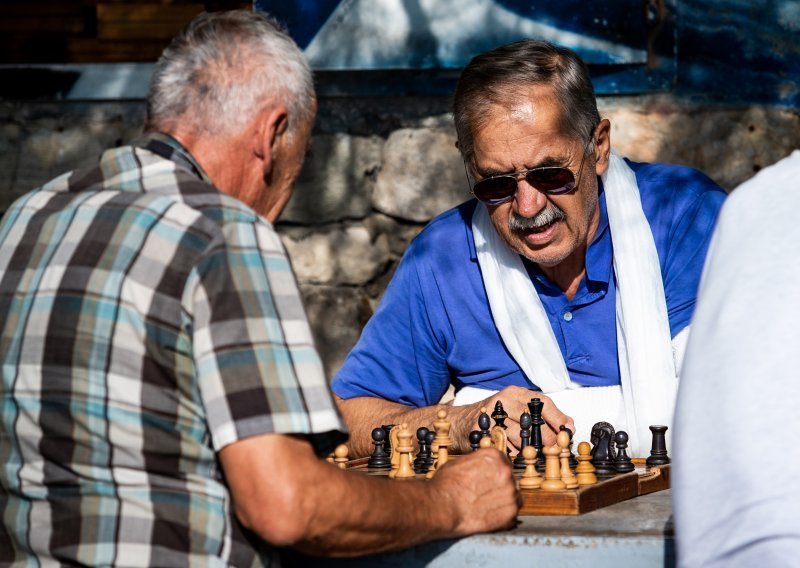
(609, 491)
(601, 475)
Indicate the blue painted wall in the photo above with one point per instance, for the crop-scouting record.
(722, 51)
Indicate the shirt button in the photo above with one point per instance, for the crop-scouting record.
(567, 316)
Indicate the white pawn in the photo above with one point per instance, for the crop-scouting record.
(530, 478)
(585, 469)
(552, 475)
(340, 456)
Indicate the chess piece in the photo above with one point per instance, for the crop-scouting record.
(499, 438)
(442, 442)
(429, 438)
(623, 463)
(485, 443)
(379, 458)
(388, 442)
(499, 415)
(552, 474)
(658, 450)
(573, 463)
(525, 439)
(340, 456)
(563, 441)
(484, 423)
(602, 450)
(403, 449)
(585, 469)
(394, 458)
(475, 440)
(535, 407)
(421, 461)
(530, 478)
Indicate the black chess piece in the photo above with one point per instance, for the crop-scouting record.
(421, 461)
(429, 438)
(603, 455)
(658, 450)
(484, 424)
(499, 415)
(525, 422)
(622, 463)
(388, 443)
(475, 439)
(535, 407)
(379, 458)
(573, 461)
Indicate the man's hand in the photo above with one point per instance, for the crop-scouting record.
(515, 402)
(481, 489)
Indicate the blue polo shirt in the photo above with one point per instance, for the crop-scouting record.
(433, 326)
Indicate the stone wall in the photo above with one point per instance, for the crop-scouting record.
(380, 169)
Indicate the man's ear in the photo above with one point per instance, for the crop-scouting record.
(602, 146)
(271, 126)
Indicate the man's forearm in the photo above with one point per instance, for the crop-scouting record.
(363, 414)
(289, 497)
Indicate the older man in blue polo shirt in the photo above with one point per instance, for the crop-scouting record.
(571, 277)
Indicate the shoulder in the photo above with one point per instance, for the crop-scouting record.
(674, 182)
(673, 196)
(449, 233)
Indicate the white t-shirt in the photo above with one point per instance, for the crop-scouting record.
(736, 445)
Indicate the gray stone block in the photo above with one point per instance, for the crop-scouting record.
(422, 175)
(336, 180)
(348, 255)
(337, 316)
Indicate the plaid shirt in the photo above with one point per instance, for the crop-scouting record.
(148, 320)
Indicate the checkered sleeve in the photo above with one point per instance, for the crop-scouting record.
(255, 359)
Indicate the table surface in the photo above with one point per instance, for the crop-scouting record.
(634, 533)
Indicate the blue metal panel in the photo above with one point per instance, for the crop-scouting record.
(724, 51)
(740, 51)
(445, 34)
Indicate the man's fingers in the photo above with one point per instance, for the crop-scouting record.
(554, 417)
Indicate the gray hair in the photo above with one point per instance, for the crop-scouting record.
(498, 77)
(215, 74)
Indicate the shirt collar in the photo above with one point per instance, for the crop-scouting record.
(169, 148)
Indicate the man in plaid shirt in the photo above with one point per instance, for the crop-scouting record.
(162, 400)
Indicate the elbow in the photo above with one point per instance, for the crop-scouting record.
(282, 522)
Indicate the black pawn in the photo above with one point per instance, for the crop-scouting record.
(603, 452)
(388, 444)
(421, 461)
(499, 415)
(429, 438)
(525, 421)
(658, 451)
(379, 458)
(475, 440)
(622, 463)
(573, 461)
(484, 424)
(535, 406)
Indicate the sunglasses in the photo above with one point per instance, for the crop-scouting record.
(552, 180)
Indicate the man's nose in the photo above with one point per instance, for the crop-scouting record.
(528, 200)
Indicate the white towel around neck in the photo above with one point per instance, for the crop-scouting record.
(647, 367)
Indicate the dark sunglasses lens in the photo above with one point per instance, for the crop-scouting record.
(494, 190)
(551, 180)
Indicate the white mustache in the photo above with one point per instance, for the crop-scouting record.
(543, 218)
